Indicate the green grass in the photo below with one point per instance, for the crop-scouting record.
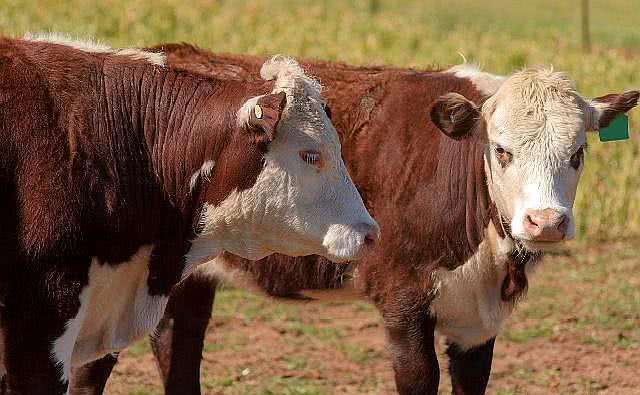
(143, 391)
(501, 35)
(233, 384)
(592, 295)
(139, 348)
(359, 353)
(537, 329)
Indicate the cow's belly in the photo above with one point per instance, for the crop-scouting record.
(219, 270)
(116, 308)
(468, 307)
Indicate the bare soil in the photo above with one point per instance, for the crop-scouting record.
(574, 334)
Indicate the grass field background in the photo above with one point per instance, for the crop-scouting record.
(587, 302)
(501, 35)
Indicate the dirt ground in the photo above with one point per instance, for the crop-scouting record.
(576, 333)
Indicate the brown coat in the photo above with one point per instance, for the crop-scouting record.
(427, 191)
(96, 152)
(429, 194)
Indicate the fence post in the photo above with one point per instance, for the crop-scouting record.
(586, 34)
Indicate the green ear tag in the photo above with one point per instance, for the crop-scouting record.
(618, 129)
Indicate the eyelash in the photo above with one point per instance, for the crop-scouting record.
(310, 157)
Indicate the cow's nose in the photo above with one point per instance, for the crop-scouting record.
(546, 225)
(371, 233)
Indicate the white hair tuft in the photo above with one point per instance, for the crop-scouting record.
(289, 76)
(93, 46)
(278, 66)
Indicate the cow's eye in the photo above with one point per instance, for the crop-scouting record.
(311, 157)
(576, 159)
(504, 157)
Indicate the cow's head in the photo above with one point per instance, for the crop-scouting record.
(535, 131)
(302, 200)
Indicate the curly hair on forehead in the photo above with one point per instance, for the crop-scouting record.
(290, 78)
(539, 85)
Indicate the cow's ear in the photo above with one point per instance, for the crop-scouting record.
(455, 115)
(265, 114)
(603, 109)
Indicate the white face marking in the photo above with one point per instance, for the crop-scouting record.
(298, 206)
(156, 58)
(538, 119)
(115, 310)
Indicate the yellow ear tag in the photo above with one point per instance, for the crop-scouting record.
(258, 110)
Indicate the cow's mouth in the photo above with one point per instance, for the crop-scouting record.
(541, 246)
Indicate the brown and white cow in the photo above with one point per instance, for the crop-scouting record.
(472, 177)
(119, 174)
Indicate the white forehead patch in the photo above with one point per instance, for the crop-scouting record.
(291, 79)
(302, 91)
(289, 76)
(92, 46)
(537, 110)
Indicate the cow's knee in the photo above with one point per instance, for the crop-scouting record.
(470, 368)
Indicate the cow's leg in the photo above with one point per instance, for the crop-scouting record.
(470, 369)
(41, 321)
(411, 339)
(91, 378)
(180, 334)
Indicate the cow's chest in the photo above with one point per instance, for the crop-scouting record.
(468, 307)
(116, 307)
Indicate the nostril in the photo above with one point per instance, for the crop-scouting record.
(371, 233)
(532, 225)
(370, 239)
(563, 224)
(529, 221)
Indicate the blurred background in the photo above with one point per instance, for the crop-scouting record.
(500, 35)
(577, 332)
